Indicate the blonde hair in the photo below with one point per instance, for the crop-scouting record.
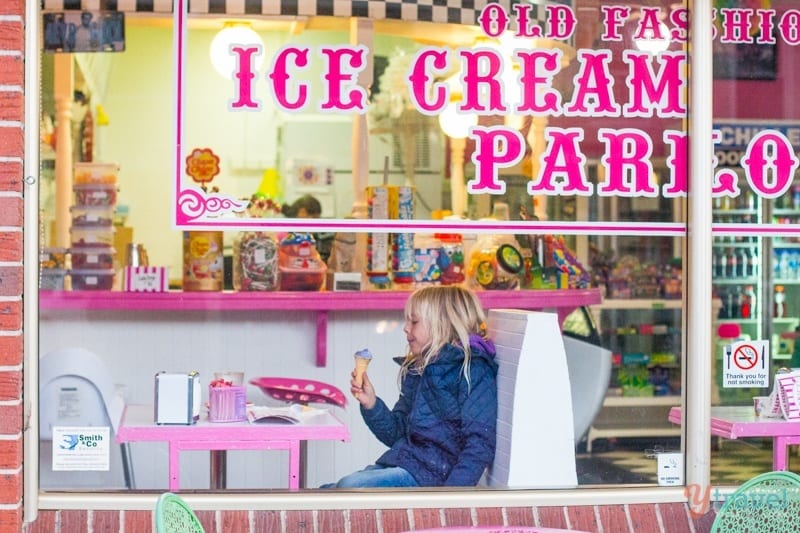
(451, 313)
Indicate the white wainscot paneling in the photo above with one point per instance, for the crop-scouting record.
(136, 345)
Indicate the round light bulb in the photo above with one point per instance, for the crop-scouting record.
(455, 124)
(223, 60)
(648, 43)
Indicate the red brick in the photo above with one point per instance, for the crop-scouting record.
(208, 519)
(427, 518)
(12, 69)
(582, 518)
(266, 521)
(10, 451)
(613, 517)
(11, 175)
(360, 520)
(520, 516)
(45, 522)
(12, 35)
(11, 419)
(74, 520)
(10, 385)
(138, 522)
(457, 517)
(10, 350)
(12, 141)
(10, 519)
(674, 516)
(12, 103)
(490, 516)
(552, 517)
(10, 488)
(703, 524)
(235, 521)
(299, 522)
(10, 312)
(12, 7)
(395, 520)
(105, 521)
(643, 517)
(10, 282)
(10, 207)
(333, 520)
(11, 244)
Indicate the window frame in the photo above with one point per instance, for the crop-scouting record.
(697, 376)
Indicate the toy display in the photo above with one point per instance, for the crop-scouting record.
(495, 263)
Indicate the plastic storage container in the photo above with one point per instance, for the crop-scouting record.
(52, 279)
(95, 194)
(91, 236)
(92, 279)
(92, 257)
(53, 258)
(96, 173)
(83, 215)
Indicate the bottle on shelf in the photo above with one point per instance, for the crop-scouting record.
(733, 262)
(742, 262)
(752, 267)
(752, 305)
(780, 302)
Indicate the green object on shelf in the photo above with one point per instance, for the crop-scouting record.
(795, 362)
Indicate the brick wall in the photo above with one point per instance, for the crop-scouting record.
(11, 155)
(635, 518)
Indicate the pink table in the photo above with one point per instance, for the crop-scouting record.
(138, 425)
(735, 422)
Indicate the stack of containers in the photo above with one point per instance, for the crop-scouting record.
(92, 231)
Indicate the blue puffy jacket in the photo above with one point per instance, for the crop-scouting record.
(441, 430)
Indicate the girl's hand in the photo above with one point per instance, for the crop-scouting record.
(365, 394)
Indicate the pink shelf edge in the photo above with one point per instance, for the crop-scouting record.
(564, 301)
(299, 301)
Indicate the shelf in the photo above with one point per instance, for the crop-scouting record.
(736, 281)
(641, 401)
(563, 301)
(738, 212)
(655, 304)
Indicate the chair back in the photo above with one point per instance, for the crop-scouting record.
(768, 502)
(174, 516)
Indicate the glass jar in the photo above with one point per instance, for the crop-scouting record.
(255, 261)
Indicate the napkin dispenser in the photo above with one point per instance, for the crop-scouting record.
(177, 398)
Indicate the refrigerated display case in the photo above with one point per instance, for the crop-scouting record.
(757, 280)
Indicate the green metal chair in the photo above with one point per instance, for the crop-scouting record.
(768, 502)
(174, 516)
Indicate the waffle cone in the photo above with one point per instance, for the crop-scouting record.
(361, 367)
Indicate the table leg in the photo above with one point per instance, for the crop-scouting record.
(174, 467)
(779, 446)
(303, 450)
(294, 464)
(219, 469)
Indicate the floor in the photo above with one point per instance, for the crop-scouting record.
(633, 461)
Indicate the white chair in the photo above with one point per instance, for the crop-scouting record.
(535, 429)
(76, 389)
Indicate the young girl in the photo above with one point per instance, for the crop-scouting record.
(442, 429)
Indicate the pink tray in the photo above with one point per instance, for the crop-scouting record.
(300, 390)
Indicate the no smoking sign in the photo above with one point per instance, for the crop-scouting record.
(746, 364)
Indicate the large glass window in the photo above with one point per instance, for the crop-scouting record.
(167, 212)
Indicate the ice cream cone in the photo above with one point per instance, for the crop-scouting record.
(362, 359)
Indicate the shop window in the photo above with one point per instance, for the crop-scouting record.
(120, 109)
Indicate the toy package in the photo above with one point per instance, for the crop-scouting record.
(299, 263)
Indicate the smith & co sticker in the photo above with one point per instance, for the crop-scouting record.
(81, 448)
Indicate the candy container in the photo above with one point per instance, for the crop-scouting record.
(255, 262)
(300, 266)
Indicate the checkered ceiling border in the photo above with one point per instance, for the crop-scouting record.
(450, 11)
